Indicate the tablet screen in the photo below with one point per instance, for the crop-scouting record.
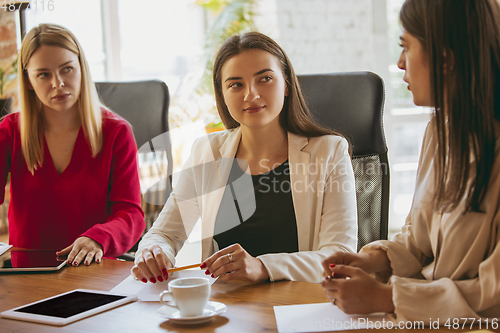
(71, 304)
(26, 260)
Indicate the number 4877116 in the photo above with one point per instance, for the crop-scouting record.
(37, 5)
(486, 323)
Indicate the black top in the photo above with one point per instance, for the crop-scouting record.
(272, 228)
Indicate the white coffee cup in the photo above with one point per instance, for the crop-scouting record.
(190, 295)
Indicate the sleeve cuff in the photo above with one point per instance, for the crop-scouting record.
(402, 261)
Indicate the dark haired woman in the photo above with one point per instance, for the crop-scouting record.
(302, 205)
(445, 264)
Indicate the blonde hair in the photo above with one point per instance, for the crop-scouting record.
(31, 115)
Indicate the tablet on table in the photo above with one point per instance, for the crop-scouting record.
(68, 307)
(31, 261)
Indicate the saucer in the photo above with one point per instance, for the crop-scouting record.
(211, 310)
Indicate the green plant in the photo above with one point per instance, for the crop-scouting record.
(7, 75)
(225, 18)
(232, 17)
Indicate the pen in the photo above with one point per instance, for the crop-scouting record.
(183, 268)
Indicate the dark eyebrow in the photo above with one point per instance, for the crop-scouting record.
(258, 73)
(46, 69)
(401, 38)
(263, 71)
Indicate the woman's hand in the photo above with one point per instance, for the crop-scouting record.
(151, 264)
(356, 292)
(233, 262)
(83, 248)
(370, 262)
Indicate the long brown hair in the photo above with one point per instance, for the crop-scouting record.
(89, 106)
(462, 41)
(295, 116)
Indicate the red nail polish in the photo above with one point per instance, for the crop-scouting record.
(207, 272)
(332, 265)
(166, 276)
(165, 272)
(98, 261)
(213, 277)
(203, 265)
(152, 280)
(75, 263)
(160, 278)
(144, 280)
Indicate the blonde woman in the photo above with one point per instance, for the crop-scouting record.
(74, 182)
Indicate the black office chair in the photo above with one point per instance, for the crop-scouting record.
(144, 104)
(352, 104)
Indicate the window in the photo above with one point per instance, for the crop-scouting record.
(405, 125)
(88, 31)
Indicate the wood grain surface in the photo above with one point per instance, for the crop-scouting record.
(250, 306)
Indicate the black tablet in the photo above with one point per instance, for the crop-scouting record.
(31, 261)
(68, 307)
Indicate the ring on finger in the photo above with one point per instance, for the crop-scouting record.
(230, 256)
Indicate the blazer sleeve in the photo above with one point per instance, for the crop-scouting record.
(126, 223)
(178, 217)
(444, 299)
(337, 231)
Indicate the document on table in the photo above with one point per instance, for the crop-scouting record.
(322, 317)
(149, 292)
(4, 247)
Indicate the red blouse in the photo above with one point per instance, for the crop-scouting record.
(95, 197)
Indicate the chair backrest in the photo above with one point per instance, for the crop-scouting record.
(352, 104)
(144, 104)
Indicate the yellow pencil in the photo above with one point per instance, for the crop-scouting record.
(183, 268)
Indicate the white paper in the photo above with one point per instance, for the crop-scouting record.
(322, 317)
(150, 292)
(4, 247)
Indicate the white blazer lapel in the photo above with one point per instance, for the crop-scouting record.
(299, 177)
(218, 172)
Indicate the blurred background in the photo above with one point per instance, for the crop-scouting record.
(175, 41)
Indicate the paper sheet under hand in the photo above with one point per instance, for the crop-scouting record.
(150, 292)
(4, 248)
(322, 317)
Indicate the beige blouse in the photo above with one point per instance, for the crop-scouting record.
(446, 266)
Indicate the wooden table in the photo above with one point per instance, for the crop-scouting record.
(250, 306)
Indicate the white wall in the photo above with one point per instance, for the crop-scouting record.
(322, 36)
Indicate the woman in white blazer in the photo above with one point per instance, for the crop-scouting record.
(444, 267)
(292, 202)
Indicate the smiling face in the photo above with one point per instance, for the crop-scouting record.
(254, 88)
(55, 76)
(414, 61)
